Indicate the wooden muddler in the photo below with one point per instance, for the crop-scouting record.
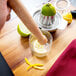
(27, 19)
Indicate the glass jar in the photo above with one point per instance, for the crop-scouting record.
(38, 49)
(62, 6)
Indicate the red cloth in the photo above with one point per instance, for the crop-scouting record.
(65, 65)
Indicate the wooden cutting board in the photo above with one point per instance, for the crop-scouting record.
(15, 48)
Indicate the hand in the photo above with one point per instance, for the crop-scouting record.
(4, 12)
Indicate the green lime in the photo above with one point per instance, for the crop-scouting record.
(48, 10)
(22, 30)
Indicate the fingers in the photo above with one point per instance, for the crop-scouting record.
(3, 12)
(8, 13)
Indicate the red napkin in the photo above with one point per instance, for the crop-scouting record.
(65, 65)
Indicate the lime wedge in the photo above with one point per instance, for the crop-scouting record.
(22, 30)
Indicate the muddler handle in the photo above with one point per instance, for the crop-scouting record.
(27, 19)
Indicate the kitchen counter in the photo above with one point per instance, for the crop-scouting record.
(15, 48)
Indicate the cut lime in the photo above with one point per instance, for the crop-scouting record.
(48, 10)
(22, 30)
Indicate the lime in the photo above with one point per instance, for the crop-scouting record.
(48, 10)
(22, 30)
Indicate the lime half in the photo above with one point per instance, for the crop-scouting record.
(48, 10)
(22, 30)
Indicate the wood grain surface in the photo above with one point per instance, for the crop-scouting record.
(15, 48)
